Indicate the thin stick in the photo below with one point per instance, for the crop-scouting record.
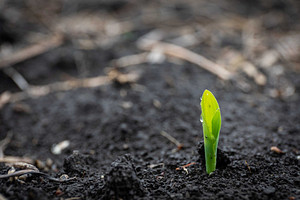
(19, 80)
(23, 165)
(185, 166)
(38, 91)
(185, 54)
(276, 150)
(30, 171)
(172, 139)
(156, 165)
(13, 159)
(31, 51)
(131, 60)
(73, 198)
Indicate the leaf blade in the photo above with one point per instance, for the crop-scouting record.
(216, 123)
(209, 106)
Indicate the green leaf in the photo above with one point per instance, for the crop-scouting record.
(210, 109)
(216, 124)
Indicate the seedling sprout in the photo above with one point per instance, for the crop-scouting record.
(211, 123)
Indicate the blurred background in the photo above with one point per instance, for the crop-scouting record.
(43, 42)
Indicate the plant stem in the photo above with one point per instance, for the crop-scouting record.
(210, 147)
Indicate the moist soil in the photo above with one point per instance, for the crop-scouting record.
(116, 147)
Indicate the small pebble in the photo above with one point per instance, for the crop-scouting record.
(40, 164)
(156, 103)
(58, 148)
(126, 104)
(10, 171)
(49, 162)
(269, 190)
(64, 177)
(23, 177)
(92, 152)
(125, 146)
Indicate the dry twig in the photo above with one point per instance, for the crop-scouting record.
(30, 171)
(14, 159)
(156, 165)
(185, 54)
(172, 139)
(276, 150)
(22, 165)
(37, 91)
(31, 51)
(19, 80)
(185, 166)
(73, 198)
(117, 76)
(130, 60)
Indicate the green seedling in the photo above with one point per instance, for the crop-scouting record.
(211, 123)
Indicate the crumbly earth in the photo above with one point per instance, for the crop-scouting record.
(116, 146)
(116, 150)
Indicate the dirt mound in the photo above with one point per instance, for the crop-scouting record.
(121, 182)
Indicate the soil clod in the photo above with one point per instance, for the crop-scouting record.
(77, 163)
(121, 182)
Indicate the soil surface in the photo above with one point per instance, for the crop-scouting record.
(116, 149)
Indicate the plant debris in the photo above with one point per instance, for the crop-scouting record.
(276, 150)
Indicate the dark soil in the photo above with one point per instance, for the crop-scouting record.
(117, 151)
